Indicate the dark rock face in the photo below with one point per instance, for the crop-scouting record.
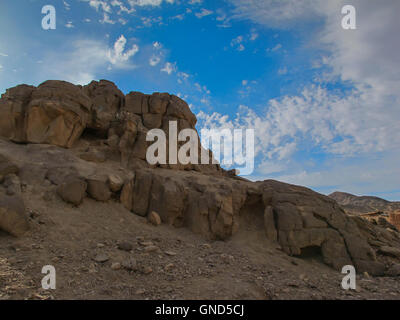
(103, 135)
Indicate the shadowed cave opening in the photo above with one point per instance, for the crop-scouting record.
(90, 134)
(311, 253)
(252, 214)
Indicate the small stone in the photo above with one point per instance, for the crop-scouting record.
(100, 245)
(116, 266)
(394, 271)
(125, 246)
(101, 258)
(154, 218)
(170, 253)
(169, 267)
(146, 270)
(150, 249)
(146, 243)
(130, 264)
(115, 182)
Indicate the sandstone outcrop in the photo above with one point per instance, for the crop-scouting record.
(91, 142)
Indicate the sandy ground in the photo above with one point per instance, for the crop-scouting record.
(169, 263)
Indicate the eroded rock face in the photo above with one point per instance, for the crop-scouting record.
(110, 163)
(107, 100)
(57, 114)
(295, 217)
(304, 219)
(13, 105)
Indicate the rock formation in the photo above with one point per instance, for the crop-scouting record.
(90, 141)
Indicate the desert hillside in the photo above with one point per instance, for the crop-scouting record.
(77, 193)
(364, 204)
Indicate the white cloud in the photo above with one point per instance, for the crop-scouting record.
(154, 61)
(157, 45)
(153, 3)
(253, 35)
(169, 68)
(122, 8)
(203, 13)
(98, 4)
(118, 55)
(67, 6)
(106, 7)
(361, 122)
(183, 76)
(107, 19)
(361, 176)
(3, 54)
(69, 24)
(344, 126)
(275, 48)
(237, 43)
(85, 60)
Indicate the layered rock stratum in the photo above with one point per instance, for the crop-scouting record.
(67, 147)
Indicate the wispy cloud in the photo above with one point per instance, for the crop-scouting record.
(169, 68)
(203, 13)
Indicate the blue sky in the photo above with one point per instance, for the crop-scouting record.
(324, 102)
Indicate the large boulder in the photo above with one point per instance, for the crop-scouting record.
(13, 106)
(13, 219)
(73, 191)
(305, 219)
(98, 187)
(57, 114)
(107, 100)
(180, 109)
(136, 103)
(158, 103)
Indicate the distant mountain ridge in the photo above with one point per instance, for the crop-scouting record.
(364, 204)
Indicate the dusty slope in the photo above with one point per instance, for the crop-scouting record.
(184, 265)
(246, 267)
